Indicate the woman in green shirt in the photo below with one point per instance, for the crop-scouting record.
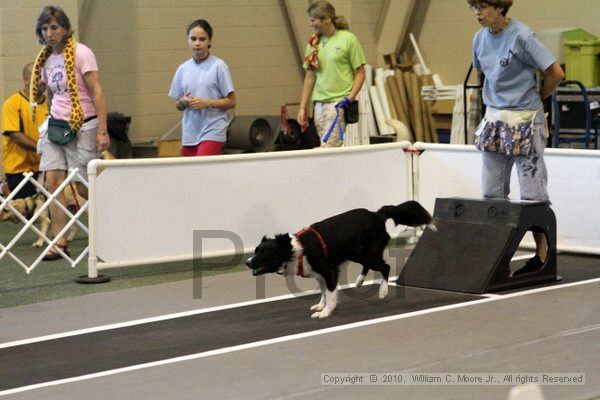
(335, 73)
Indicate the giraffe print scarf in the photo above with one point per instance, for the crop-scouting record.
(76, 116)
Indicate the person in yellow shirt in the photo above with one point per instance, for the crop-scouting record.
(19, 138)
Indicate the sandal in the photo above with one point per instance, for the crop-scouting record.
(54, 255)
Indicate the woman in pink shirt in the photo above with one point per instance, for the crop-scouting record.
(77, 130)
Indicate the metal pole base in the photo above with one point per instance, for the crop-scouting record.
(86, 280)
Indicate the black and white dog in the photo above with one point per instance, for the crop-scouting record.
(318, 251)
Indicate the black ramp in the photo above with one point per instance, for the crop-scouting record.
(475, 241)
(102, 351)
(452, 260)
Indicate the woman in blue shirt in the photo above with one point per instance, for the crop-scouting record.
(513, 130)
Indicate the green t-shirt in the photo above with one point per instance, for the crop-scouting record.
(339, 56)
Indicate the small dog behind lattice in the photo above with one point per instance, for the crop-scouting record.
(29, 206)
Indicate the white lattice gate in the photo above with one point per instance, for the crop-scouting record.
(29, 224)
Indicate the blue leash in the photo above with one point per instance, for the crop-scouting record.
(340, 130)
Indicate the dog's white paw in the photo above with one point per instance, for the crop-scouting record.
(321, 314)
(317, 307)
(37, 243)
(359, 280)
(383, 290)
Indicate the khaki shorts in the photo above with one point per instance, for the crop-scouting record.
(75, 154)
(325, 113)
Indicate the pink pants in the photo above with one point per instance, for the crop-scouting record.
(205, 148)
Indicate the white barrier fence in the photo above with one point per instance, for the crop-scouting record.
(573, 184)
(145, 211)
(40, 209)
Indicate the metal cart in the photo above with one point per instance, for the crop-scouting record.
(565, 94)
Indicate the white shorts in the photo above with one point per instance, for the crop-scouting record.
(75, 154)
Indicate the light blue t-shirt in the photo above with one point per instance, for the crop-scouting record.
(209, 79)
(509, 60)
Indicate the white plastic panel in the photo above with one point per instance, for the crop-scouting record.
(574, 187)
(148, 209)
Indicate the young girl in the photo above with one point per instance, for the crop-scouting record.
(203, 90)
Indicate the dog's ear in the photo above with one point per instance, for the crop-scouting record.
(283, 239)
(4, 215)
(264, 239)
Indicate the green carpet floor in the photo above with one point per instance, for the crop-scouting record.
(55, 279)
(52, 280)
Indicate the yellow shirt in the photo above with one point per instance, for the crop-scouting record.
(16, 117)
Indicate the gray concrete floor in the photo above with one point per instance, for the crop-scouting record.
(549, 331)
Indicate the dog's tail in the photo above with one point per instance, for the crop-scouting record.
(409, 213)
